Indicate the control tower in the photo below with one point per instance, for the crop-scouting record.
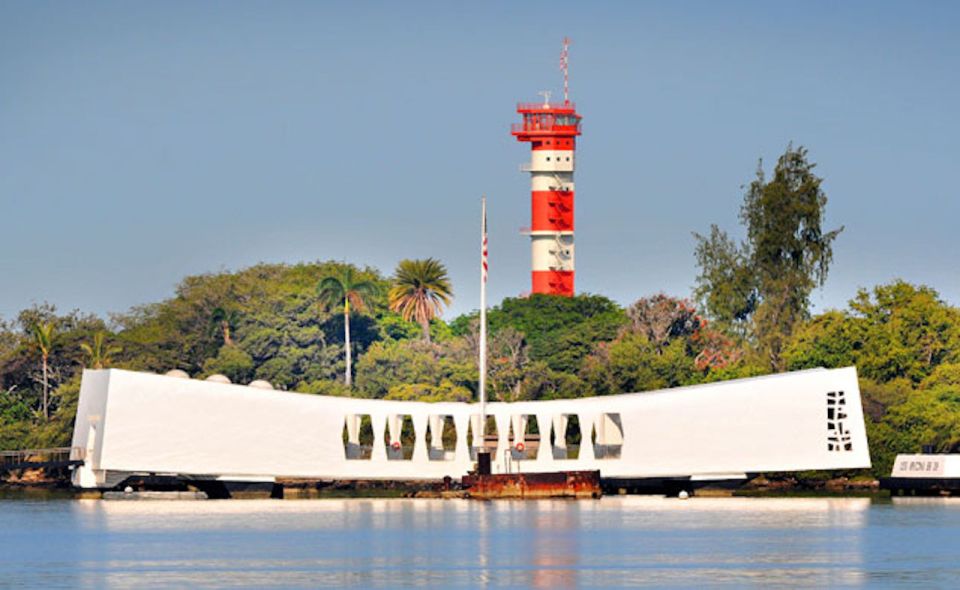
(552, 129)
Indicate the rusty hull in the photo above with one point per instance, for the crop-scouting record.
(531, 486)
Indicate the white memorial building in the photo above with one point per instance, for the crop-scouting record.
(135, 424)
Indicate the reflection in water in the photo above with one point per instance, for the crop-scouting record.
(554, 546)
(369, 543)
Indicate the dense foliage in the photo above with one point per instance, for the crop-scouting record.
(286, 324)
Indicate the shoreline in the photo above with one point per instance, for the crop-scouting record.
(759, 487)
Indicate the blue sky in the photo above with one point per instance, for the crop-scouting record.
(143, 142)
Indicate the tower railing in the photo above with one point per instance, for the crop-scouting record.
(541, 106)
(516, 128)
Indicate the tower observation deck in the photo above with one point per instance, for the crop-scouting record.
(551, 129)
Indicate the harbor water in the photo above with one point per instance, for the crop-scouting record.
(621, 541)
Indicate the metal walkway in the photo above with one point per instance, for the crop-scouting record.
(42, 458)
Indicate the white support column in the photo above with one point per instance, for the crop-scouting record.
(420, 447)
(436, 432)
(545, 424)
(475, 430)
(460, 422)
(393, 427)
(353, 429)
(379, 453)
(586, 430)
(352, 448)
(503, 441)
(560, 434)
(516, 425)
(601, 427)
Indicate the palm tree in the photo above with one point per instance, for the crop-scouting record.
(225, 321)
(346, 287)
(420, 290)
(99, 355)
(43, 339)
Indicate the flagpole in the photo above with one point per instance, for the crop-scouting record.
(482, 386)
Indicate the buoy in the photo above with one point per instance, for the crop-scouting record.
(520, 447)
(395, 445)
(128, 490)
(683, 495)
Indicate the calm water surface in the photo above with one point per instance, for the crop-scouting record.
(613, 542)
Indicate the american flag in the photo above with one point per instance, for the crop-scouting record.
(483, 243)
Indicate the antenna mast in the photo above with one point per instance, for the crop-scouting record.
(564, 67)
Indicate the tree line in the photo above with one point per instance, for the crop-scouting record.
(340, 329)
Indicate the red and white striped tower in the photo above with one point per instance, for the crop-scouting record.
(551, 129)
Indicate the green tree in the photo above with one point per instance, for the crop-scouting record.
(350, 290)
(21, 357)
(420, 290)
(946, 376)
(232, 362)
(560, 331)
(58, 430)
(389, 363)
(726, 286)
(507, 364)
(43, 335)
(420, 392)
(894, 331)
(9, 339)
(277, 322)
(907, 331)
(325, 387)
(924, 418)
(786, 255)
(393, 362)
(632, 363)
(832, 339)
(99, 355)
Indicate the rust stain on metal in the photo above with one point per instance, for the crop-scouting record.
(559, 484)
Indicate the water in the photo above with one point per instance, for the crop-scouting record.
(613, 542)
